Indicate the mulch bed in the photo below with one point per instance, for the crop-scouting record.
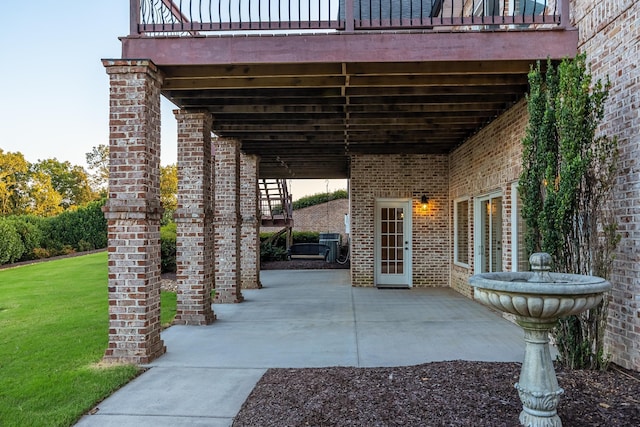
(456, 393)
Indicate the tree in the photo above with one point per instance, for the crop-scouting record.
(98, 161)
(13, 174)
(71, 182)
(566, 188)
(44, 199)
(169, 191)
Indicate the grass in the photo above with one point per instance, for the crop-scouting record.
(168, 301)
(53, 332)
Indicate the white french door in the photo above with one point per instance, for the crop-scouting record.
(488, 233)
(393, 243)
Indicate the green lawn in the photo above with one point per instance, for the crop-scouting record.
(53, 330)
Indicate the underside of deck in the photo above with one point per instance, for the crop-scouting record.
(306, 102)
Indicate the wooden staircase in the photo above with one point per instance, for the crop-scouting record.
(276, 208)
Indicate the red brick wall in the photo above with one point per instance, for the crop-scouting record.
(609, 35)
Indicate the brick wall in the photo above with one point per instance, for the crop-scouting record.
(610, 36)
(488, 162)
(324, 218)
(409, 177)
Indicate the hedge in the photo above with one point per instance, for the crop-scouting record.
(168, 248)
(317, 199)
(83, 229)
(26, 237)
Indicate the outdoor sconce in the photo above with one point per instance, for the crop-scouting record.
(423, 201)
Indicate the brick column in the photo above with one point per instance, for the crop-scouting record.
(227, 221)
(133, 212)
(194, 218)
(250, 228)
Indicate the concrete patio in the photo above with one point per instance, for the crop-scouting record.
(302, 319)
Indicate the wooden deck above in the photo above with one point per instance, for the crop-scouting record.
(305, 102)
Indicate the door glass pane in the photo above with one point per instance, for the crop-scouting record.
(485, 207)
(496, 234)
(491, 234)
(462, 231)
(392, 240)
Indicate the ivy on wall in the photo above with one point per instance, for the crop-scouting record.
(566, 187)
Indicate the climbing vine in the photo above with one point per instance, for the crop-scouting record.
(566, 185)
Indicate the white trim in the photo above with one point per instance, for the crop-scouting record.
(514, 226)
(455, 231)
(477, 229)
(407, 204)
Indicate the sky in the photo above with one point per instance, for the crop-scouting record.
(54, 90)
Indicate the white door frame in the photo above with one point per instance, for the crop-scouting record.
(394, 280)
(477, 228)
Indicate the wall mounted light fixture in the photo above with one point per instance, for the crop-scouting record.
(424, 200)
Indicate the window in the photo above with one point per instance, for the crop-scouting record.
(520, 259)
(461, 232)
(487, 229)
(487, 8)
(528, 7)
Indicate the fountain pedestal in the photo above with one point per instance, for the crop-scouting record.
(538, 387)
(538, 299)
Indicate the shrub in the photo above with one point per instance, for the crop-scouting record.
(67, 250)
(39, 253)
(29, 228)
(168, 248)
(11, 246)
(272, 253)
(84, 246)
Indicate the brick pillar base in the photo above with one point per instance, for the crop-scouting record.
(133, 212)
(227, 221)
(194, 218)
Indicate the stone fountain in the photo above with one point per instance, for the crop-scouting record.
(538, 299)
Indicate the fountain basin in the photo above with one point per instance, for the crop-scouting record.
(515, 293)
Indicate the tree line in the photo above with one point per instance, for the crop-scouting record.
(52, 207)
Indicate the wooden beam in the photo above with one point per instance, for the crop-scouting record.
(356, 47)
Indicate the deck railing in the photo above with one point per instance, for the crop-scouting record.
(202, 17)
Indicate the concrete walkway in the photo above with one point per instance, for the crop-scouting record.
(302, 319)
